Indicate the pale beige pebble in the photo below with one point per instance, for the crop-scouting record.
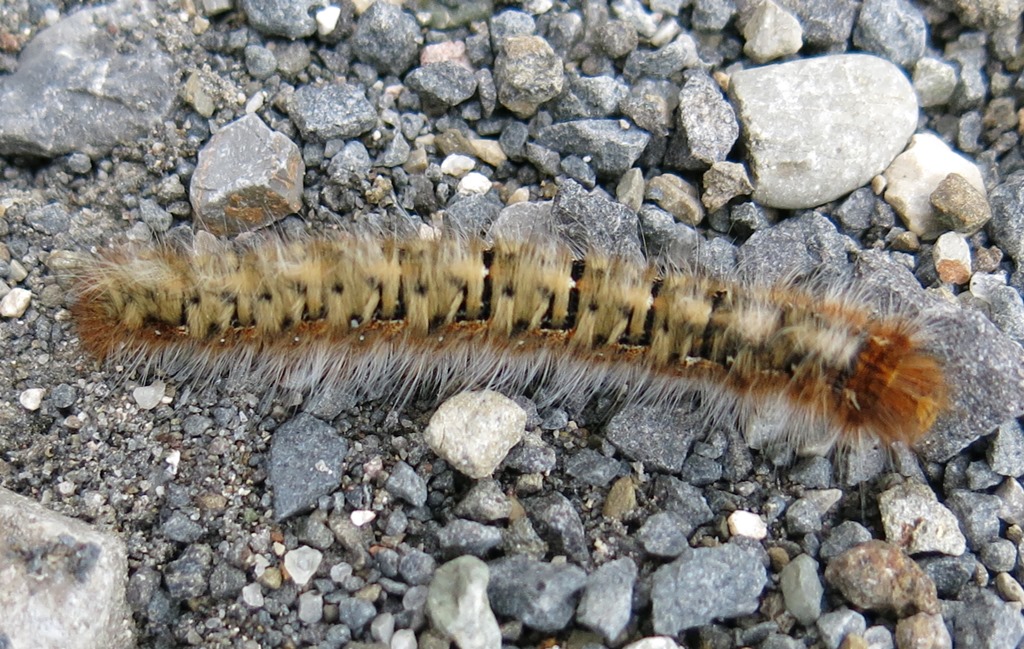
(905, 241)
(771, 32)
(488, 151)
(922, 631)
(952, 257)
(417, 162)
(15, 303)
(521, 195)
(630, 190)
(1011, 508)
(916, 173)
(677, 197)
(959, 206)
(473, 431)
(878, 576)
(31, 398)
(915, 520)
(854, 641)
(457, 165)
(748, 524)
(149, 396)
(474, 183)
(302, 563)
(454, 51)
(1009, 588)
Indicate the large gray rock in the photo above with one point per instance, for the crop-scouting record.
(817, 129)
(79, 89)
(62, 582)
(612, 145)
(289, 18)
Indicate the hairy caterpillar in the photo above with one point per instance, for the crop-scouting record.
(379, 313)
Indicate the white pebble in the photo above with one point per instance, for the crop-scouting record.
(252, 595)
(32, 398)
(474, 431)
(914, 175)
(149, 396)
(311, 607)
(327, 19)
(361, 517)
(654, 642)
(403, 639)
(474, 183)
(747, 524)
(952, 258)
(15, 303)
(302, 563)
(457, 165)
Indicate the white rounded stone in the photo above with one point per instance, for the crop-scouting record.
(818, 128)
(302, 563)
(15, 303)
(31, 398)
(914, 175)
(473, 431)
(952, 257)
(457, 165)
(474, 183)
(747, 524)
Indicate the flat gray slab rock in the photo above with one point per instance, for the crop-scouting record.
(62, 582)
(817, 129)
(79, 89)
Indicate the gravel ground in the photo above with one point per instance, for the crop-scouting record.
(731, 132)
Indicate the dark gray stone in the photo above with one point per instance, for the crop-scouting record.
(980, 476)
(485, 502)
(558, 523)
(417, 567)
(186, 576)
(1007, 224)
(713, 15)
(541, 595)
(356, 613)
(674, 495)
(590, 467)
(51, 219)
(77, 88)
(657, 437)
(511, 22)
(588, 97)
(513, 140)
(664, 534)
(707, 126)
(803, 517)
(1006, 450)
(855, 212)
(978, 515)
(612, 148)
(837, 625)
(442, 84)
(812, 472)
(592, 221)
(406, 484)
(843, 537)
(607, 598)
(531, 458)
(662, 63)
(700, 471)
(894, 29)
(226, 581)
(827, 23)
(983, 621)
(468, 537)
(999, 555)
(288, 18)
(337, 111)
(708, 584)
(794, 247)
(387, 38)
(179, 527)
(63, 396)
(306, 461)
(950, 574)
(260, 61)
